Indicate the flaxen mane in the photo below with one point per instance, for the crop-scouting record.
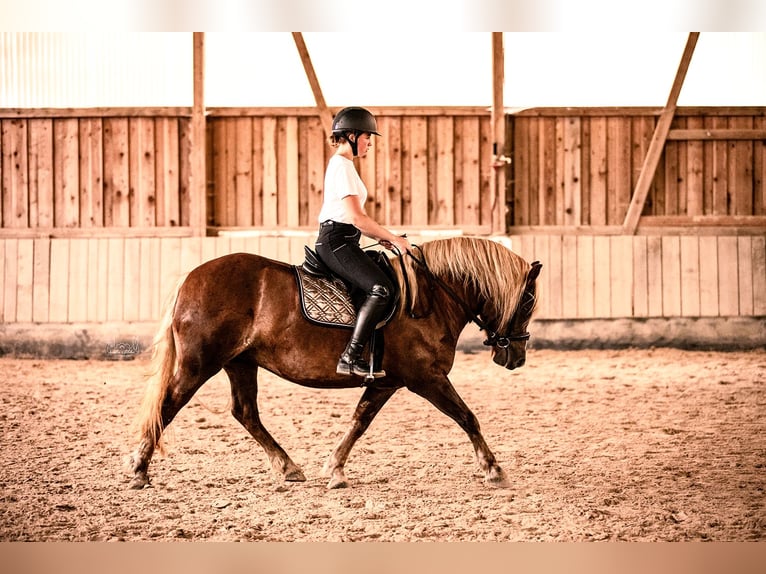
(495, 271)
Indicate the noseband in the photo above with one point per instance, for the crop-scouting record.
(493, 338)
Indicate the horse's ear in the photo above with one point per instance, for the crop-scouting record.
(534, 271)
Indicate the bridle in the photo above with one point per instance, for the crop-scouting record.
(493, 338)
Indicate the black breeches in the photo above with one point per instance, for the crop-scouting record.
(338, 247)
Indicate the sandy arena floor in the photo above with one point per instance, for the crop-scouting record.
(636, 445)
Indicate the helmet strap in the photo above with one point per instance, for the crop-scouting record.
(353, 143)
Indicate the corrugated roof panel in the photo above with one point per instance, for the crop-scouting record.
(40, 70)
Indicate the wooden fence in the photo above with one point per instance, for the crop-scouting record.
(108, 279)
(432, 167)
(82, 280)
(578, 167)
(96, 213)
(128, 171)
(648, 276)
(100, 170)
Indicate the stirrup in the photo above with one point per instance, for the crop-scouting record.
(358, 367)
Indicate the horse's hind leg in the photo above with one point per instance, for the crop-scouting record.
(369, 405)
(180, 389)
(243, 375)
(444, 397)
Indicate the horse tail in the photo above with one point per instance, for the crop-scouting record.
(148, 424)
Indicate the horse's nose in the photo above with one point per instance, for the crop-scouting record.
(519, 362)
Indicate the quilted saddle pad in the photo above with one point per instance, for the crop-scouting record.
(325, 301)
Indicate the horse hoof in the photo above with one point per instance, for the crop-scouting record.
(338, 480)
(497, 479)
(295, 475)
(139, 482)
(335, 484)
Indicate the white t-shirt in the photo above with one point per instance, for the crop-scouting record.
(341, 179)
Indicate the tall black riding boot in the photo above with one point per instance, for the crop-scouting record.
(370, 313)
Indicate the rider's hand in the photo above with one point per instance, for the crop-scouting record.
(400, 244)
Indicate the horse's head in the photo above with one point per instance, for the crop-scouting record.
(499, 283)
(510, 349)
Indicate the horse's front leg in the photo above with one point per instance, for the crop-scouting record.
(444, 397)
(243, 376)
(369, 405)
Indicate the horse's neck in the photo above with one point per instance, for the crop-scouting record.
(465, 300)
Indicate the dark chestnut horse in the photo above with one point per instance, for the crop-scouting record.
(241, 312)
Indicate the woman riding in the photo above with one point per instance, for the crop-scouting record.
(342, 222)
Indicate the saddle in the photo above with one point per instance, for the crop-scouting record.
(330, 301)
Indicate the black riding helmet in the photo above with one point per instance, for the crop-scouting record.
(354, 120)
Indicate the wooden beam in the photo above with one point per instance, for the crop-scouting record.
(658, 141)
(717, 134)
(197, 152)
(302, 112)
(94, 232)
(117, 112)
(659, 225)
(499, 163)
(325, 115)
(638, 111)
(733, 221)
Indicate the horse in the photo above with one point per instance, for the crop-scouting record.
(241, 312)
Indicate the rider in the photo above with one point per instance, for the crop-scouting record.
(342, 222)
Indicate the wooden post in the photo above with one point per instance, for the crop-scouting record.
(325, 115)
(499, 160)
(658, 142)
(198, 176)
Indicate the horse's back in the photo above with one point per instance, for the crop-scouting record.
(232, 270)
(234, 284)
(239, 261)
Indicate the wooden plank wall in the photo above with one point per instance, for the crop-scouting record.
(110, 279)
(129, 169)
(104, 174)
(127, 279)
(93, 172)
(578, 167)
(601, 276)
(430, 168)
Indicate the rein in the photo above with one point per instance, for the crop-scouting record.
(493, 339)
